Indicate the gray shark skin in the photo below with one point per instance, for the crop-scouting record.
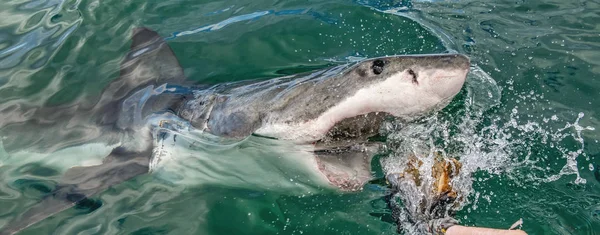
(282, 108)
(334, 110)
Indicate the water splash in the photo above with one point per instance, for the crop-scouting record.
(474, 130)
(570, 167)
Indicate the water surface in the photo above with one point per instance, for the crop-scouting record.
(526, 125)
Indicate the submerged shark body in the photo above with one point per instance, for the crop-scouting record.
(333, 112)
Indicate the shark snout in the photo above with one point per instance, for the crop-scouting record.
(450, 75)
(462, 62)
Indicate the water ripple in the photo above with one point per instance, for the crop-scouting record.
(222, 24)
(249, 17)
(30, 45)
(519, 127)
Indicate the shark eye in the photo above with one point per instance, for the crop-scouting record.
(378, 66)
(414, 76)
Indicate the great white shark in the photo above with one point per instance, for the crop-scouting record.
(333, 111)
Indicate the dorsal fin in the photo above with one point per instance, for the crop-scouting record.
(149, 62)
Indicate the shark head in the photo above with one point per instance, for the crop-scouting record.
(355, 99)
(404, 86)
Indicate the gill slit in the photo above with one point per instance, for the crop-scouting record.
(210, 108)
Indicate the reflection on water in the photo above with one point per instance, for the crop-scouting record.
(33, 31)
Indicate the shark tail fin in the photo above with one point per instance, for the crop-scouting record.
(79, 183)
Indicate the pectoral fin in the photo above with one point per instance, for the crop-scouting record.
(79, 183)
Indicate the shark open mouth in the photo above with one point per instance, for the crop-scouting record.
(346, 168)
(344, 154)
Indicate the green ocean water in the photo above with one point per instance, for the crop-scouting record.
(527, 122)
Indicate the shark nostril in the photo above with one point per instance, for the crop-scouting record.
(378, 66)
